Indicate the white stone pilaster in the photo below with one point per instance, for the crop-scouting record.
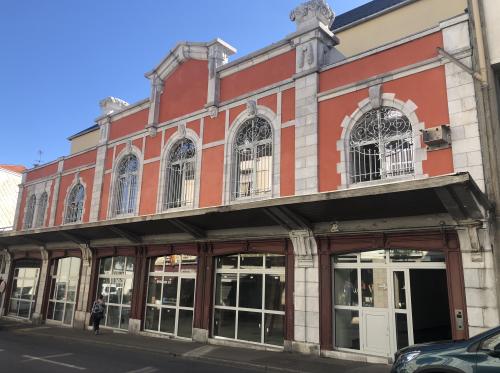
(5, 261)
(306, 294)
(55, 197)
(82, 317)
(98, 180)
(218, 53)
(37, 313)
(154, 109)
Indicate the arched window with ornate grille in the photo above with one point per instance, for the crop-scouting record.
(252, 159)
(30, 212)
(126, 185)
(42, 208)
(381, 146)
(180, 175)
(74, 208)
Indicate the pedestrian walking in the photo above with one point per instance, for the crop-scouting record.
(98, 309)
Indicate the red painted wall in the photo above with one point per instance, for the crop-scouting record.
(258, 76)
(106, 184)
(149, 188)
(288, 105)
(87, 158)
(129, 124)
(41, 172)
(153, 146)
(375, 64)
(214, 128)
(185, 90)
(212, 167)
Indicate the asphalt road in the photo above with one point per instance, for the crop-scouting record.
(55, 349)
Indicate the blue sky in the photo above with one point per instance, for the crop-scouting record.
(58, 58)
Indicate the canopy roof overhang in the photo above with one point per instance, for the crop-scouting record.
(455, 195)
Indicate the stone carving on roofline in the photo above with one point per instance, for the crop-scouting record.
(252, 107)
(312, 13)
(111, 105)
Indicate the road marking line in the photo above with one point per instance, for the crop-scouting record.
(53, 362)
(200, 351)
(144, 370)
(50, 356)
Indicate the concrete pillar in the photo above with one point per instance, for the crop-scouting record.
(5, 264)
(37, 316)
(306, 295)
(82, 317)
(479, 278)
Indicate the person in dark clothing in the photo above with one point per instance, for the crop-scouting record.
(98, 313)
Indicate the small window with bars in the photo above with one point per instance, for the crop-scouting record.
(180, 175)
(74, 209)
(126, 186)
(30, 212)
(252, 159)
(381, 146)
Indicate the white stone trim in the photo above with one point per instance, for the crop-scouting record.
(76, 180)
(408, 108)
(37, 190)
(132, 149)
(177, 136)
(274, 120)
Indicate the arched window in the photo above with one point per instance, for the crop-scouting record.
(252, 159)
(381, 146)
(30, 212)
(42, 207)
(74, 208)
(180, 175)
(126, 185)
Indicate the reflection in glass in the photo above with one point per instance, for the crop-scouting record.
(399, 290)
(103, 288)
(127, 292)
(115, 290)
(156, 264)
(172, 263)
(275, 292)
(401, 330)
(374, 287)
(275, 261)
(58, 311)
(401, 255)
(187, 292)
(346, 258)
(228, 262)
(250, 291)
(169, 291)
(189, 263)
(224, 321)
(113, 316)
(167, 324)
(154, 290)
(119, 265)
(152, 318)
(249, 326)
(68, 314)
(129, 269)
(251, 261)
(347, 329)
(376, 256)
(185, 324)
(225, 289)
(274, 326)
(124, 318)
(105, 267)
(346, 287)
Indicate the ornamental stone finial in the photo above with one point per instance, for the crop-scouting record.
(110, 105)
(312, 13)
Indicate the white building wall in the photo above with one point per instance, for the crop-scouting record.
(491, 15)
(9, 182)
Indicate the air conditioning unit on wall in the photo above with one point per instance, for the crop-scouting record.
(437, 137)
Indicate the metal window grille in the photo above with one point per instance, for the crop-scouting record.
(253, 159)
(30, 212)
(381, 146)
(126, 191)
(75, 204)
(180, 175)
(42, 207)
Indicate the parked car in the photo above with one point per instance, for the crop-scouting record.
(479, 354)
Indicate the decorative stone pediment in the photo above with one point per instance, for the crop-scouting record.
(312, 13)
(111, 105)
(216, 50)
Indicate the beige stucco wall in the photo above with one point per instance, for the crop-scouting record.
(9, 189)
(492, 20)
(83, 142)
(405, 21)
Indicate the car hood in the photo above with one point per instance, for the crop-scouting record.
(433, 346)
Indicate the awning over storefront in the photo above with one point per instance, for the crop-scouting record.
(456, 195)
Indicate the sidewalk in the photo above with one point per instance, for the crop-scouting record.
(267, 361)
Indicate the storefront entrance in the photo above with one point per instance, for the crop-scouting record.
(388, 299)
(65, 274)
(24, 288)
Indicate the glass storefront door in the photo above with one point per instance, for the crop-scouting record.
(116, 276)
(249, 302)
(373, 310)
(24, 289)
(170, 296)
(65, 274)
